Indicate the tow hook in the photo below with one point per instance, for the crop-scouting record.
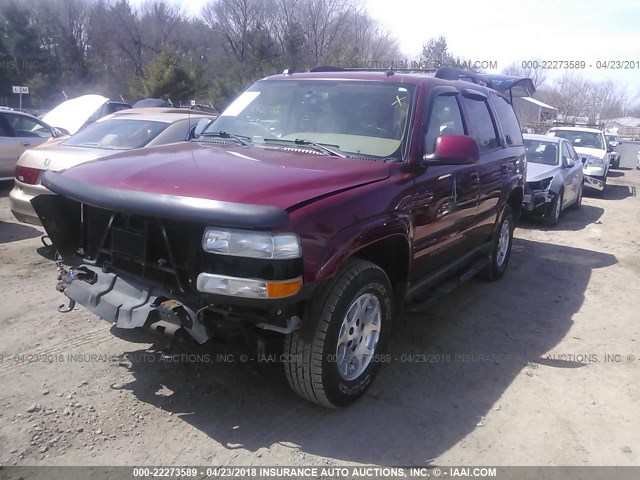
(68, 308)
(65, 277)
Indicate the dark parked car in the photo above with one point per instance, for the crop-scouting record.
(318, 205)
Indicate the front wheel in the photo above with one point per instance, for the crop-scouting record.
(578, 203)
(501, 248)
(555, 209)
(335, 363)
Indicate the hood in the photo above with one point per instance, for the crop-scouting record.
(72, 114)
(56, 157)
(539, 171)
(591, 152)
(229, 173)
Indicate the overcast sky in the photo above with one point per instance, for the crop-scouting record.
(509, 31)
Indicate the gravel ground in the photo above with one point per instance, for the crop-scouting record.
(540, 368)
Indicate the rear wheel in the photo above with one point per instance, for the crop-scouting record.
(335, 363)
(501, 248)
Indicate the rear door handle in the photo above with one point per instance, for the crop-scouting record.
(26, 144)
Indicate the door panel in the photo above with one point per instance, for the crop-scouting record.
(493, 166)
(570, 175)
(443, 215)
(8, 156)
(445, 198)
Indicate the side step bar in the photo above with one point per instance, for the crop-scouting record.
(448, 286)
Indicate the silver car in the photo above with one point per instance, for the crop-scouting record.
(18, 132)
(555, 177)
(125, 130)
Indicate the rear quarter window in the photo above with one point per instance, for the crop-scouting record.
(508, 120)
(481, 124)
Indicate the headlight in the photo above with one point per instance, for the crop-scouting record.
(540, 185)
(245, 243)
(594, 162)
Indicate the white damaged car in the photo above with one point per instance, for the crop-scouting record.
(592, 149)
(555, 177)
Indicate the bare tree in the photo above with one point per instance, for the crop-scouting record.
(537, 75)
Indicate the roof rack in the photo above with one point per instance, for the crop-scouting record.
(515, 86)
(331, 68)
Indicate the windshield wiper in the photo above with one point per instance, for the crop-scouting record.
(323, 147)
(241, 139)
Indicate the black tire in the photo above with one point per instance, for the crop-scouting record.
(311, 364)
(578, 203)
(498, 264)
(555, 210)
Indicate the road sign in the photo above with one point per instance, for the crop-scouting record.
(20, 90)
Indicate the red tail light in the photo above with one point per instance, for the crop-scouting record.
(27, 174)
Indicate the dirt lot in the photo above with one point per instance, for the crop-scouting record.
(540, 368)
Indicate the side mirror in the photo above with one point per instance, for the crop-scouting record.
(609, 148)
(567, 162)
(453, 150)
(202, 124)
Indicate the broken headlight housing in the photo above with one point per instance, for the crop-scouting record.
(540, 185)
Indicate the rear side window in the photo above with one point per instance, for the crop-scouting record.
(445, 119)
(509, 121)
(481, 124)
(5, 127)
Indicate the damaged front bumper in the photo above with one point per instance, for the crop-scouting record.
(128, 303)
(135, 260)
(594, 182)
(537, 202)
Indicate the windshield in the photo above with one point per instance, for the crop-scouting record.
(612, 138)
(581, 139)
(542, 152)
(353, 117)
(117, 134)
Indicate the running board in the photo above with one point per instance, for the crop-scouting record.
(448, 286)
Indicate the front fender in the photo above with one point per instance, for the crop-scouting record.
(358, 236)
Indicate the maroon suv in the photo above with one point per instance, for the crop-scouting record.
(318, 205)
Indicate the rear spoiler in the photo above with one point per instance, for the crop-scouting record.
(505, 84)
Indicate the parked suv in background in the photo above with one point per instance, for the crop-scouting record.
(591, 146)
(318, 205)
